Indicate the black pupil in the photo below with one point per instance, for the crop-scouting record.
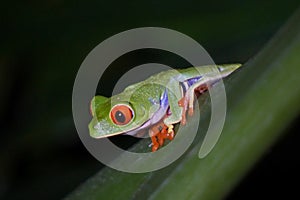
(120, 117)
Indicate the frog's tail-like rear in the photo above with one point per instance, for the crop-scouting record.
(227, 69)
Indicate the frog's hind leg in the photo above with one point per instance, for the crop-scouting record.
(187, 101)
(183, 102)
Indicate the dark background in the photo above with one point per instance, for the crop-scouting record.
(42, 46)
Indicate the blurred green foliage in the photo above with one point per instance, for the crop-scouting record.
(42, 47)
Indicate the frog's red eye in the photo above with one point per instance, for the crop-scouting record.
(121, 114)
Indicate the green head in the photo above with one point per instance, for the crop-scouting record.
(119, 114)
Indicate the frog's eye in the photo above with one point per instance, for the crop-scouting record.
(121, 114)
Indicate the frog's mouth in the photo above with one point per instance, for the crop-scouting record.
(155, 118)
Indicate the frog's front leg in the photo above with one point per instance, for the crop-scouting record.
(175, 93)
(164, 129)
(159, 133)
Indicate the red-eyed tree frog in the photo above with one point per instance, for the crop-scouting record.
(155, 104)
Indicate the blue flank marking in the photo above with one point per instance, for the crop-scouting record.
(164, 102)
(192, 81)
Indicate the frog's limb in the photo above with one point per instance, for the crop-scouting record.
(187, 101)
(200, 89)
(174, 94)
(183, 102)
(155, 144)
(167, 132)
(159, 133)
(182, 94)
(170, 129)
